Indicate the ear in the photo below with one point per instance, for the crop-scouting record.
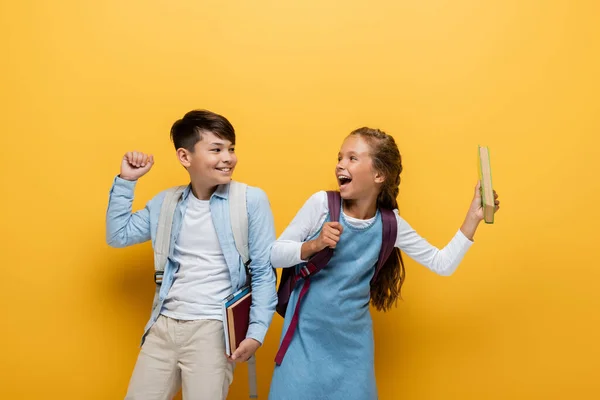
(184, 157)
(379, 177)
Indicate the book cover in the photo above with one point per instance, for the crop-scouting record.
(487, 190)
(236, 318)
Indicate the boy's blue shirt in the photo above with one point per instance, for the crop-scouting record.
(124, 228)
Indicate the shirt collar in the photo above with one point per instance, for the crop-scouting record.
(222, 191)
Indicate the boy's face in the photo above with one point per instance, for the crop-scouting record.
(354, 171)
(212, 161)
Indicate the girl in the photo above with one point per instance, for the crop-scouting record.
(331, 354)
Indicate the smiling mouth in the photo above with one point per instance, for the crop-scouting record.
(344, 180)
(226, 170)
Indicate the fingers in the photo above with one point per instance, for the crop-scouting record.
(477, 190)
(239, 354)
(330, 242)
(138, 159)
(331, 233)
(243, 353)
(334, 228)
(147, 163)
(337, 226)
(131, 158)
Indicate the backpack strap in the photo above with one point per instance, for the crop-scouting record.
(163, 236)
(314, 265)
(238, 215)
(239, 218)
(289, 277)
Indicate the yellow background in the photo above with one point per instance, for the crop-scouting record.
(83, 82)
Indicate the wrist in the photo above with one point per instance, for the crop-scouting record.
(127, 178)
(309, 249)
(314, 246)
(472, 217)
(470, 225)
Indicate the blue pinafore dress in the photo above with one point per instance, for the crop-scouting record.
(331, 355)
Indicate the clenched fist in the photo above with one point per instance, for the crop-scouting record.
(329, 236)
(135, 165)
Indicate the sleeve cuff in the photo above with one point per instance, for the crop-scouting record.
(256, 332)
(122, 186)
(464, 241)
(124, 182)
(298, 252)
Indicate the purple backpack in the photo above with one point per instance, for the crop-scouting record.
(289, 277)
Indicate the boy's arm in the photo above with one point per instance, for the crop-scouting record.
(261, 235)
(122, 227)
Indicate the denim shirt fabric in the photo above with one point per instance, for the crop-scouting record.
(124, 228)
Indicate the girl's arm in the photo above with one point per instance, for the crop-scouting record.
(442, 262)
(287, 250)
(446, 260)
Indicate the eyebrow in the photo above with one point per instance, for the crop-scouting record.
(352, 153)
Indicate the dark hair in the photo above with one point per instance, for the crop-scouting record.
(187, 131)
(387, 160)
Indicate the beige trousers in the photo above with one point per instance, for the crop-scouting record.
(186, 354)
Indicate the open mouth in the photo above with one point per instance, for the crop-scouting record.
(344, 180)
(225, 170)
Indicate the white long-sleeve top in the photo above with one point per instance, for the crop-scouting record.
(307, 222)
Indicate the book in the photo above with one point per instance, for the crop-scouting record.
(236, 318)
(487, 190)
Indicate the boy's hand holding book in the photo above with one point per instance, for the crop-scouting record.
(246, 349)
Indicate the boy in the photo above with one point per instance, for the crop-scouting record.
(183, 344)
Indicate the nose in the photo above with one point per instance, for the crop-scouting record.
(226, 157)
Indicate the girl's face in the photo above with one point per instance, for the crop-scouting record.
(354, 171)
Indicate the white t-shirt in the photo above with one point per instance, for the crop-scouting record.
(202, 281)
(310, 218)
